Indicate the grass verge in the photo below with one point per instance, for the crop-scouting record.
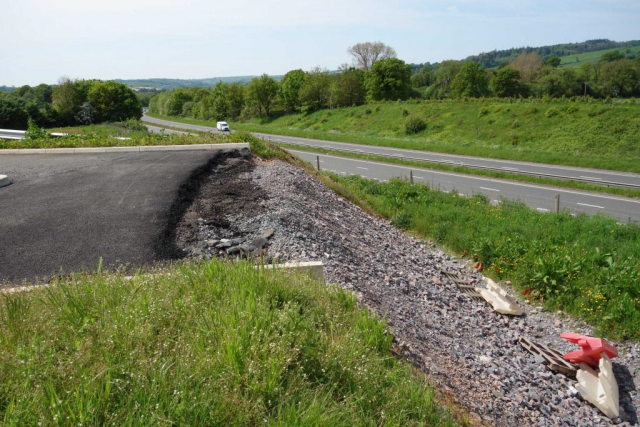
(203, 344)
(583, 133)
(86, 138)
(587, 266)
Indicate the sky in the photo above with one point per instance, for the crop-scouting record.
(42, 40)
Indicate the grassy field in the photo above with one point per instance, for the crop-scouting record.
(209, 344)
(588, 134)
(593, 57)
(586, 266)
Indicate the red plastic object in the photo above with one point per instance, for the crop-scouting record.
(591, 349)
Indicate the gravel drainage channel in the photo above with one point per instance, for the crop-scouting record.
(272, 209)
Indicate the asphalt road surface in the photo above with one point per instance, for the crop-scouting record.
(508, 166)
(62, 213)
(538, 197)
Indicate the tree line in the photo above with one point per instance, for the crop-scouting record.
(377, 75)
(388, 78)
(70, 102)
(529, 76)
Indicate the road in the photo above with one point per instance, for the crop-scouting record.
(595, 176)
(64, 212)
(538, 197)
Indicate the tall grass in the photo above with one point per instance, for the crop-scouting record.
(208, 344)
(588, 266)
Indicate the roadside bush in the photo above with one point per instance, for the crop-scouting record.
(552, 112)
(414, 125)
(133, 125)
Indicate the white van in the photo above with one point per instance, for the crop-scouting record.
(222, 126)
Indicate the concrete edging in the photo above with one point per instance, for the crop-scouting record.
(4, 180)
(137, 149)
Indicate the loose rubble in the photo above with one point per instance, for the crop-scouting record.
(276, 211)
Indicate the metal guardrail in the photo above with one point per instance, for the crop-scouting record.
(470, 166)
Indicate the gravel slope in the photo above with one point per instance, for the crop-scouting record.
(468, 350)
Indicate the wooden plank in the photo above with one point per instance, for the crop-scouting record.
(551, 355)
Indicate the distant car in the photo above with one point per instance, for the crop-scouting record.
(222, 126)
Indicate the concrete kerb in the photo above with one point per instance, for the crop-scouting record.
(4, 180)
(137, 149)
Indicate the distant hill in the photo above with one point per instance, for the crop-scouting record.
(164, 84)
(576, 59)
(495, 57)
(7, 88)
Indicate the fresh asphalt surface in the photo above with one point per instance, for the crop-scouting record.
(507, 166)
(539, 197)
(63, 212)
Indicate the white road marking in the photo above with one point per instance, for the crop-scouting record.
(418, 177)
(591, 206)
(509, 169)
(591, 177)
(542, 209)
(363, 176)
(362, 168)
(490, 189)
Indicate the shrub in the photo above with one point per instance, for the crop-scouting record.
(403, 221)
(368, 111)
(552, 112)
(405, 112)
(483, 112)
(414, 125)
(132, 124)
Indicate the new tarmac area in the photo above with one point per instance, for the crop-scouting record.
(64, 213)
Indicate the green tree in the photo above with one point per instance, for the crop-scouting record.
(611, 56)
(423, 78)
(67, 99)
(506, 83)
(618, 78)
(444, 75)
(262, 92)
(348, 88)
(290, 87)
(389, 78)
(114, 102)
(175, 101)
(558, 82)
(315, 92)
(13, 114)
(218, 101)
(43, 93)
(553, 61)
(471, 81)
(235, 100)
